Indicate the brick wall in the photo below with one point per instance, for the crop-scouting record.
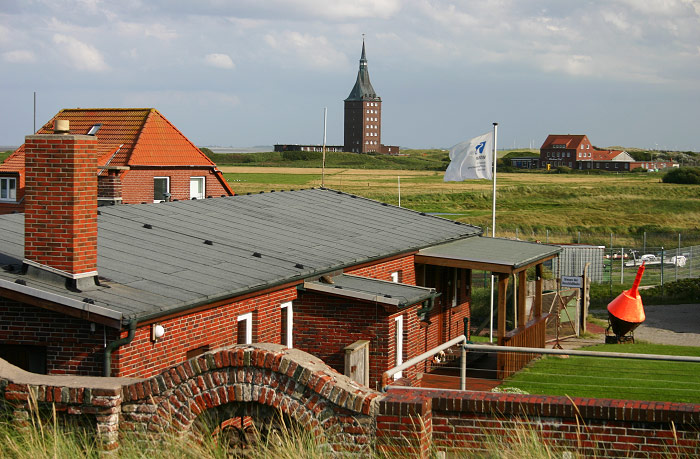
(591, 427)
(215, 327)
(71, 346)
(402, 264)
(138, 183)
(408, 421)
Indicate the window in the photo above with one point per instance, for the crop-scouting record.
(286, 324)
(197, 187)
(161, 187)
(399, 345)
(245, 329)
(395, 277)
(8, 189)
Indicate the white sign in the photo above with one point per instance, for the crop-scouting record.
(572, 281)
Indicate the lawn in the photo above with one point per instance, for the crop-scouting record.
(615, 378)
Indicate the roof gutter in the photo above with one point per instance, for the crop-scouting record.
(82, 308)
(111, 347)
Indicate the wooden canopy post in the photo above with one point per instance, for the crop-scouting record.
(502, 291)
(522, 290)
(538, 290)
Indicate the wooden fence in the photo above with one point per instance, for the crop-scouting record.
(531, 335)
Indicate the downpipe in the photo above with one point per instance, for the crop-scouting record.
(114, 345)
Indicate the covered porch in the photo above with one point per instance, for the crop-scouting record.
(505, 259)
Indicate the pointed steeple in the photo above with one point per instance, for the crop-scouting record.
(363, 89)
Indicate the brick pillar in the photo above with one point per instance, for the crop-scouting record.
(61, 204)
(404, 424)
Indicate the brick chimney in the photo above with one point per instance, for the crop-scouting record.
(60, 229)
(109, 186)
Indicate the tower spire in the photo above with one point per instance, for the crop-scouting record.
(363, 89)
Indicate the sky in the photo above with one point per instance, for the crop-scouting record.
(251, 72)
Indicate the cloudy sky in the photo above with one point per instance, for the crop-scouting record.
(258, 72)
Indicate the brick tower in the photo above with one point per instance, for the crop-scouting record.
(363, 114)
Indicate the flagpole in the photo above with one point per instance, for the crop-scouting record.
(323, 162)
(493, 218)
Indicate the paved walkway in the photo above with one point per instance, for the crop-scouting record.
(677, 324)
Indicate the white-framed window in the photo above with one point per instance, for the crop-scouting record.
(161, 186)
(244, 334)
(286, 324)
(197, 185)
(395, 277)
(8, 189)
(399, 345)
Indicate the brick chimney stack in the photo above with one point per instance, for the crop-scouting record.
(60, 230)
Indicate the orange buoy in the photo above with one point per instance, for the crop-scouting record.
(626, 311)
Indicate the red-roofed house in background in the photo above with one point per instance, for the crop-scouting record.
(576, 152)
(142, 157)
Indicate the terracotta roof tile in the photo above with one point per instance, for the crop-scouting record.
(128, 136)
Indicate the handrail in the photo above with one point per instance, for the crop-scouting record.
(409, 363)
(612, 355)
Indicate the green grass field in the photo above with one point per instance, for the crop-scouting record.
(615, 378)
(624, 204)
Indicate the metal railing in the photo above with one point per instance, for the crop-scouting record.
(386, 376)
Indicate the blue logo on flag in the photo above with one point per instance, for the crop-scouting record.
(480, 148)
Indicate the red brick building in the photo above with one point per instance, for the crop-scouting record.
(363, 116)
(577, 152)
(141, 157)
(130, 290)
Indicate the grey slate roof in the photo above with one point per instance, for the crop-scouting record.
(363, 89)
(171, 266)
(373, 290)
(497, 251)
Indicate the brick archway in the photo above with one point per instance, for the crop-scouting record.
(294, 383)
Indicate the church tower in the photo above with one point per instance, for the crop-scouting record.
(363, 114)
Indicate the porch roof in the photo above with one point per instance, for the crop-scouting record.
(488, 254)
(372, 290)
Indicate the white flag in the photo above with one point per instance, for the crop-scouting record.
(472, 159)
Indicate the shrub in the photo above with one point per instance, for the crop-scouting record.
(683, 175)
(563, 170)
(302, 155)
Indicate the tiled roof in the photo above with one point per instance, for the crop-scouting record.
(571, 141)
(128, 136)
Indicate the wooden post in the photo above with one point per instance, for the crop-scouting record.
(522, 290)
(502, 291)
(538, 290)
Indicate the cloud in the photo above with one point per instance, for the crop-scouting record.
(222, 61)
(82, 55)
(20, 56)
(135, 29)
(314, 51)
(177, 98)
